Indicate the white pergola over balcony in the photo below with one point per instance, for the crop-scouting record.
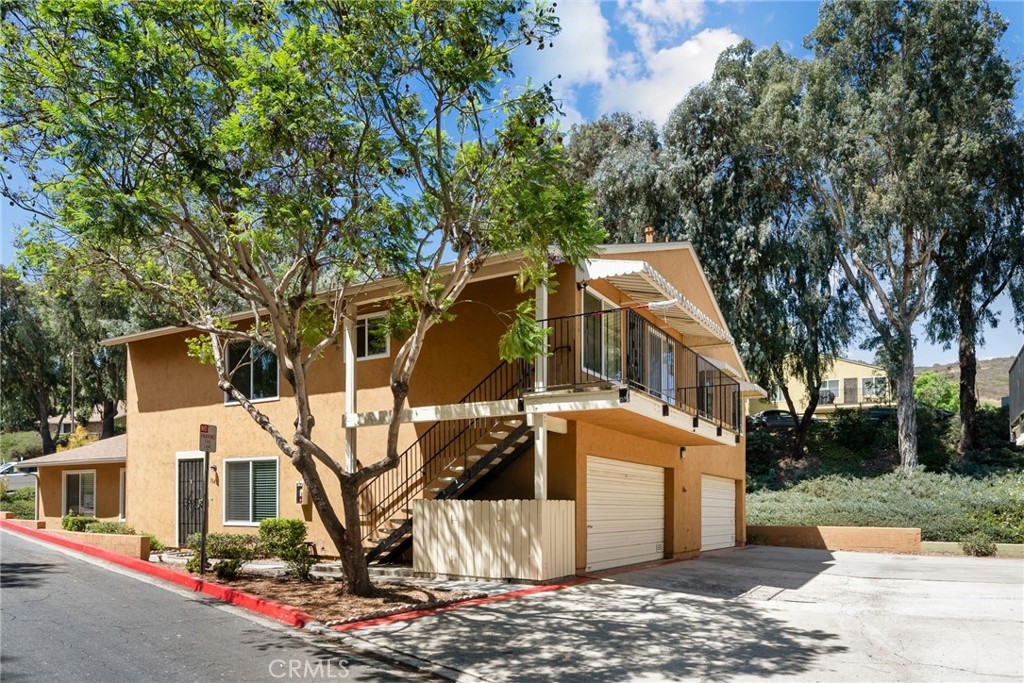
(644, 285)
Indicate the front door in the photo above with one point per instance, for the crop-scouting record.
(850, 390)
(190, 499)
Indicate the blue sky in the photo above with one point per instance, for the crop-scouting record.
(644, 56)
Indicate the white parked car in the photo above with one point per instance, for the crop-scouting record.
(13, 479)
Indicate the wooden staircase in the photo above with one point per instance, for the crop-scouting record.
(450, 460)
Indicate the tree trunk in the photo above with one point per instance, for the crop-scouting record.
(347, 538)
(803, 427)
(906, 411)
(43, 414)
(968, 380)
(357, 573)
(109, 412)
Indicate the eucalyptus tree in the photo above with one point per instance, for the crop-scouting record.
(619, 159)
(279, 155)
(770, 254)
(980, 257)
(30, 370)
(896, 101)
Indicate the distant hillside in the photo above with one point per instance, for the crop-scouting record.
(993, 377)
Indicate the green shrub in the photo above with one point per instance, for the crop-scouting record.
(21, 502)
(109, 528)
(155, 546)
(933, 442)
(20, 445)
(226, 570)
(242, 547)
(945, 507)
(761, 447)
(76, 523)
(192, 565)
(286, 538)
(978, 544)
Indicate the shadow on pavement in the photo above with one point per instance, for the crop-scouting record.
(731, 573)
(23, 574)
(611, 633)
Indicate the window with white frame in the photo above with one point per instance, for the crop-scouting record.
(80, 493)
(250, 490)
(874, 388)
(372, 338)
(828, 392)
(776, 395)
(253, 371)
(602, 338)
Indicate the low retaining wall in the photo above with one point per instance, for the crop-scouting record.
(28, 523)
(122, 544)
(870, 539)
(532, 540)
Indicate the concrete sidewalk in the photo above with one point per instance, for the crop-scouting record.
(749, 613)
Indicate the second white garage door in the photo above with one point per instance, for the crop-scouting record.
(717, 513)
(625, 513)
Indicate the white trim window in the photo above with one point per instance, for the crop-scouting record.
(120, 496)
(372, 338)
(874, 388)
(257, 378)
(602, 338)
(79, 493)
(250, 490)
(828, 392)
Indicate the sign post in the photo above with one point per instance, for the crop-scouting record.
(207, 444)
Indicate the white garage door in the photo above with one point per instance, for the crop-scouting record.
(625, 513)
(717, 513)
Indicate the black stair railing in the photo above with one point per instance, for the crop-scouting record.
(444, 445)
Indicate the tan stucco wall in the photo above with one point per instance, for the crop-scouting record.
(682, 482)
(841, 370)
(169, 395)
(51, 483)
(866, 539)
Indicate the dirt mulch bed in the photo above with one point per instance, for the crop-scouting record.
(327, 600)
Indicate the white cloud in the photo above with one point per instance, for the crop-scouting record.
(667, 75)
(643, 62)
(581, 51)
(655, 21)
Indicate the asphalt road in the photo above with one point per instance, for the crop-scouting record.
(65, 619)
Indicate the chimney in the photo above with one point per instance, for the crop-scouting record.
(648, 234)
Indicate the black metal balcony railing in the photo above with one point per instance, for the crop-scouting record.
(620, 346)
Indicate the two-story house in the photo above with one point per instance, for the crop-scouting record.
(847, 384)
(633, 421)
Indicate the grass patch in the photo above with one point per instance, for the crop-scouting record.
(946, 507)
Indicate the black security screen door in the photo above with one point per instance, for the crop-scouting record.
(190, 498)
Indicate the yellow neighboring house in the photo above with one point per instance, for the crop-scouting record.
(849, 384)
(624, 445)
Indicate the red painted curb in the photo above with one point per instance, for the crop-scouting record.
(269, 608)
(469, 602)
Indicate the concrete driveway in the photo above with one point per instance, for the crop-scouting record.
(750, 613)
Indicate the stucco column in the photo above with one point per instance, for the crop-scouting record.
(349, 357)
(540, 432)
(540, 457)
(540, 364)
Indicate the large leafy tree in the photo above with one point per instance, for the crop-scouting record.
(749, 214)
(981, 256)
(275, 156)
(30, 365)
(620, 158)
(899, 97)
(715, 178)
